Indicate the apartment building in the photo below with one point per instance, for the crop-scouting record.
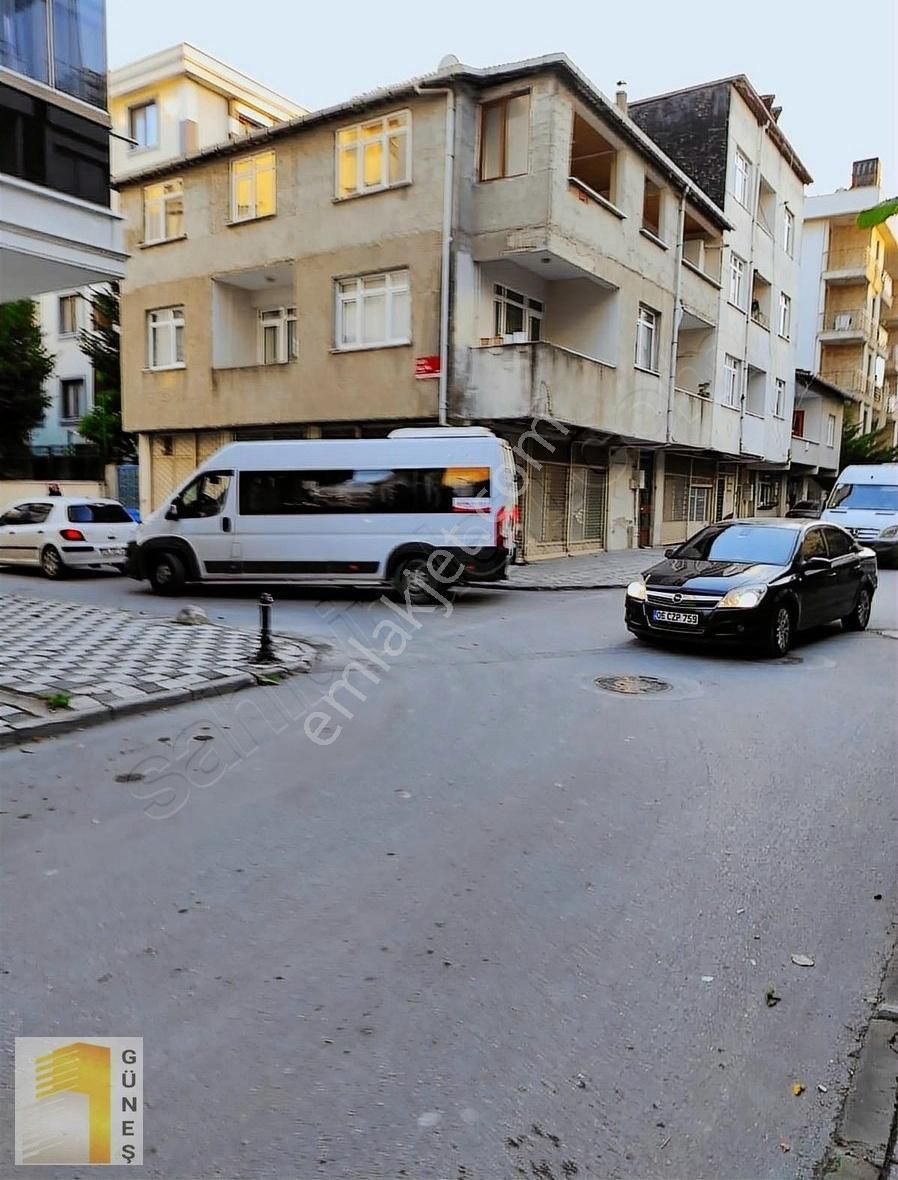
(172, 102)
(817, 418)
(56, 224)
(848, 320)
(727, 137)
(306, 294)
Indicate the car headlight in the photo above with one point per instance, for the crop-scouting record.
(637, 590)
(743, 596)
(891, 531)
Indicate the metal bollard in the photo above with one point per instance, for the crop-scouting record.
(265, 654)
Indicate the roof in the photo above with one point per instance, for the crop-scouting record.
(559, 63)
(759, 108)
(819, 385)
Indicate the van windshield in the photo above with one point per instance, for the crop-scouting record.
(876, 497)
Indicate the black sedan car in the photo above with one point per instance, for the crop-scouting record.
(756, 582)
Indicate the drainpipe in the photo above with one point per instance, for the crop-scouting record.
(678, 311)
(445, 254)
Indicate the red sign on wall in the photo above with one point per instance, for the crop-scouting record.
(427, 366)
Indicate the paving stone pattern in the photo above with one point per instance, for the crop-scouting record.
(590, 571)
(102, 657)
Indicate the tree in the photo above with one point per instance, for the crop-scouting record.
(103, 424)
(875, 447)
(876, 215)
(25, 366)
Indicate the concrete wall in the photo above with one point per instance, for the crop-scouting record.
(327, 240)
(811, 292)
(12, 490)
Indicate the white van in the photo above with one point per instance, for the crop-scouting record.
(865, 502)
(350, 511)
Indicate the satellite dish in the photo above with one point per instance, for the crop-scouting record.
(448, 62)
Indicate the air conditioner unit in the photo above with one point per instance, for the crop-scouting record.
(844, 321)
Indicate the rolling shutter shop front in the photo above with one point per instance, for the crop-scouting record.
(565, 510)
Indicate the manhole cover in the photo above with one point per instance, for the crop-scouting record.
(632, 685)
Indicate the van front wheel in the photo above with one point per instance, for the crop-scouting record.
(167, 573)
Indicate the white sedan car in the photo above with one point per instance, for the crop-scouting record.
(59, 533)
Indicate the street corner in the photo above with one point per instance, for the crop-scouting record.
(67, 665)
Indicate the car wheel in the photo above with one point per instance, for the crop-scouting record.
(167, 573)
(780, 632)
(52, 564)
(413, 581)
(860, 615)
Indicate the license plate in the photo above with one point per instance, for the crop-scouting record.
(686, 618)
(117, 552)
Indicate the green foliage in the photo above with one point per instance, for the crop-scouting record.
(58, 700)
(876, 215)
(25, 366)
(103, 425)
(875, 447)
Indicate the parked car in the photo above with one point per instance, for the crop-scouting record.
(59, 533)
(805, 510)
(756, 582)
(865, 502)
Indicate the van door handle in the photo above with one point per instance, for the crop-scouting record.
(226, 524)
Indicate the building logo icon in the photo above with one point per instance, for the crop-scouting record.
(79, 1102)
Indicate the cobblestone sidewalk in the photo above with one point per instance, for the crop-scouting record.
(98, 663)
(596, 571)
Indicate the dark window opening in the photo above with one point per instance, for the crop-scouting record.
(593, 160)
(651, 208)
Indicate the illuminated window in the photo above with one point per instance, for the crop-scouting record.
(163, 211)
(253, 186)
(374, 155)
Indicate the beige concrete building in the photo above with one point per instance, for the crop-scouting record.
(849, 317)
(552, 274)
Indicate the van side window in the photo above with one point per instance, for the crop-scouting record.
(409, 490)
(205, 496)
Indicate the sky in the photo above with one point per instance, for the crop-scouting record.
(834, 75)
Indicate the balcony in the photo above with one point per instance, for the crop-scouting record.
(887, 288)
(847, 326)
(850, 381)
(543, 380)
(850, 264)
(692, 419)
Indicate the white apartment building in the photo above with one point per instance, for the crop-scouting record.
(177, 101)
(728, 138)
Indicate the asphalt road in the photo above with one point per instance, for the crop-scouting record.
(494, 922)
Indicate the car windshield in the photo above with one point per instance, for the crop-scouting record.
(98, 514)
(882, 497)
(742, 543)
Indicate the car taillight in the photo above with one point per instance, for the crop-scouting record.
(506, 519)
(71, 535)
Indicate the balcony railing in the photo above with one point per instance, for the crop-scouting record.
(849, 324)
(848, 380)
(850, 258)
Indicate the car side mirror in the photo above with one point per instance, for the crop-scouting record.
(671, 551)
(172, 513)
(817, 563)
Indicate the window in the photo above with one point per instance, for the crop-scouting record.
(784, 326)
(742, 178)
(766, 215)
(813, 545)
(253, 186)
(143, 126)
(68, 314)
(699, 502)
(830, 430)
(373, 311)
(838, 542)
(79, 49)
(505, 137)
(737, 281)
(789, 231)
(768, 494)
(798, 423)
(647, 325)
(165, 338)
(277, 335)
(98, 514)
(374, 155)
(24, 45)
(205, 496)
(875, 497)
(163, 211)
(593, 161)
(651, 208)
(26, 514)
(72, 399)
(515, 314)
(306, 493)
(732, 381)
(779, 405)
